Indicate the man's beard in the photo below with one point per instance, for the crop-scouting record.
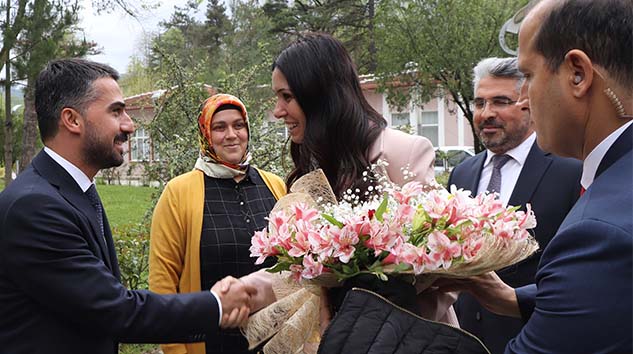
(502, 141)
(102, 154)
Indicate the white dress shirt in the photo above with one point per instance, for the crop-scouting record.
(82, 180)
(592, 161)
(510, 171)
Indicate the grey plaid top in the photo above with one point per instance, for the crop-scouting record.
(232, 213)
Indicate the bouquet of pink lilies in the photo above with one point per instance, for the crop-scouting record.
(403, 230)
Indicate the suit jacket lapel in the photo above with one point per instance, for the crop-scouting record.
(621, 146)
(112, 258)
(69, 189)
(536, 164)
(478, 166)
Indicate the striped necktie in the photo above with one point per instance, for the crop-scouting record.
(92, 194)
(495, 179)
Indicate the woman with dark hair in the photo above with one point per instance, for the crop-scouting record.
(330, 122)
(333, 127)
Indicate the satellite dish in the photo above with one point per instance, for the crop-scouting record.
(512, 26)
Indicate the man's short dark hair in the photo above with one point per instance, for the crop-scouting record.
(66, 83)
(602, 29)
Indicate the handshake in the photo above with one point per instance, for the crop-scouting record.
(241, 297)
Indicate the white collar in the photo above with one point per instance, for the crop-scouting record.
(518, 153)
(82, 180)
(592, 161)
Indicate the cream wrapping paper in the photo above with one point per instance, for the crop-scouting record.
(290, 325)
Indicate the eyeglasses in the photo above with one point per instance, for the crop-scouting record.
(495, 103)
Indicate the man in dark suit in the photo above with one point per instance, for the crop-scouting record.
(576, 55)
(549, 183)
(60, 289)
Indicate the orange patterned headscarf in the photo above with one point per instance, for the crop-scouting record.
(207, 154)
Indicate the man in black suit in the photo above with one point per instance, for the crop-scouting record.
(60, 289)
(525, 174)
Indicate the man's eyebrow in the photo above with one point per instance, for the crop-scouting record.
(117, 104)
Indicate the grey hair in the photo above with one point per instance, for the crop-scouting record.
(498, 68)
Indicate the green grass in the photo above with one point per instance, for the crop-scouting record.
(125, 204)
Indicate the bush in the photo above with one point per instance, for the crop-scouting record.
(132, 246)
(442, 178)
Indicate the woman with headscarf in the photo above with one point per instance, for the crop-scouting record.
(203, 222)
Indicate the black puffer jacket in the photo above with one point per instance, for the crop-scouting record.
(368, 323)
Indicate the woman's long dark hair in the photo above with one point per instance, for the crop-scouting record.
(340, 123)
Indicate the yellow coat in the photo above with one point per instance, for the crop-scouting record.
(174, 257)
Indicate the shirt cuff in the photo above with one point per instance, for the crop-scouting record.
(217, 298)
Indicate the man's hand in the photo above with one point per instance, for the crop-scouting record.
(491, 292)
(235, 297)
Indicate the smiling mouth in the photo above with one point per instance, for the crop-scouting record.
(291, 126)
(120, 139)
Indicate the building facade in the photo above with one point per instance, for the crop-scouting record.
(439, 120)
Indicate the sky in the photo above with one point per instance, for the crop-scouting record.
(118, 35)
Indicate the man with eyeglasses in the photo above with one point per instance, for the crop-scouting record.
(514, 167)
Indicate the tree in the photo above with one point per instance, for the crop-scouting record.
(351, 21)
(431, 47)
(48, 33)
(217, 24)
(14, 22)
(21, 15)
(186, 38)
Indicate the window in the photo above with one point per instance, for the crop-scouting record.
(428, 126)
(140, 145)
(400, 119)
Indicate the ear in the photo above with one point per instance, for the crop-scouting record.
(577, 70)
(71, 120)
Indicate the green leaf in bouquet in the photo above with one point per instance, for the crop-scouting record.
(342, 276)
(376, 266)
(401, 267)
(419, 218)
(279, 267)
(381, 276)
(332, 220)
(513, 209)
(347, 269)
(382, 207)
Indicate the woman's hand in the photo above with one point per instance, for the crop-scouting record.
(262, 281)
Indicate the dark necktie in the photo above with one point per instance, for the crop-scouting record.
(91, 193)
(495, 179)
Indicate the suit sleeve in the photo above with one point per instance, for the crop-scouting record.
(525, 298)
(583, 287)
(55, 266)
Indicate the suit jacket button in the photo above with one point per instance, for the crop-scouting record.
(478, 316)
